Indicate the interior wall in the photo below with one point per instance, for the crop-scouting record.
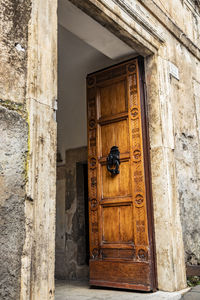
(76, 59)
(72, 229)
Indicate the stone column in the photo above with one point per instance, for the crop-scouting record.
(39, 250)
(168, 229)
(14, 18)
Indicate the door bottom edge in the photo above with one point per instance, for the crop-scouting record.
(120, 285)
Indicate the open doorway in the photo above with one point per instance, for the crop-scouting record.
(84, 47)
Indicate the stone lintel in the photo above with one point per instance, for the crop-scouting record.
(121, 20)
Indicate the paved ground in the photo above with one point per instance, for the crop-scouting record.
(81, 291)
(194, 294)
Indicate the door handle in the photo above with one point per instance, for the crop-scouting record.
(113, 161)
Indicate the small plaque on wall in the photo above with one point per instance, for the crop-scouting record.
(174, 71)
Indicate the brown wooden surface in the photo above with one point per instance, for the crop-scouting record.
(193, 270)
(121, 253)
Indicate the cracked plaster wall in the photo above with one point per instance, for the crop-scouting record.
(13, 155)
(70, 217)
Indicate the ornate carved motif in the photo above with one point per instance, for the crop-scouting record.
(93, 182)
(141, 238)
(90, 81)
(93, 162)
(131, 68)
(142, 254)
(137, 154)
(92, 143)
(92, 167)
(92, 108)
(92, 123)
(95, 253)
(95, 227)
(139, 199)
(138, 173)
(94, 203)
(140, 225)
(134, 112)
(133, 90)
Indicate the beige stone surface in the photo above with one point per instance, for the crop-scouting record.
(13, 155)
(42, 53)
(14, 18)
(180, 11)
(39, 250)
(124, 25)
(170, 267)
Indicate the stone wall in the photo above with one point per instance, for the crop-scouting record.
(179, 158)
(38, 258)
(186, 110)
(14, 18)
(28, 90)
(180, 111)
(71, 232)
(13, 155)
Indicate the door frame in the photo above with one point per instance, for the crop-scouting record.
(147, 166)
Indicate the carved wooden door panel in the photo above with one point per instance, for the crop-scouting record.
(121, 253)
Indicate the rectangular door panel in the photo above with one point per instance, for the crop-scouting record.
(114, 134)
(118, 254)
(112, 98)
(108, 272)
(116, 186)
(117, 223)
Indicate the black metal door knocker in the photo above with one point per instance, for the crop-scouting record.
(113, 161)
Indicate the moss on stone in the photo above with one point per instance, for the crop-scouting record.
(17, 107)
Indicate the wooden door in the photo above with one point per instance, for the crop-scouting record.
(120, 221)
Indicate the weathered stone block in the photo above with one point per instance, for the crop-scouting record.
(14, 19)
(13, 151)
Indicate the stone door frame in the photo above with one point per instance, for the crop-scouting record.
(133, 27)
